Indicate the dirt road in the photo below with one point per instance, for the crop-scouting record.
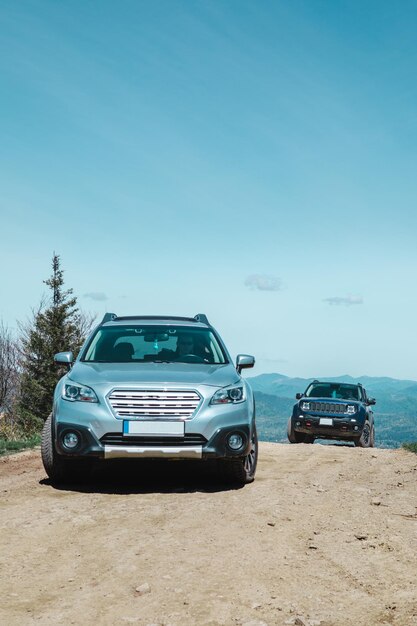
(326, 535)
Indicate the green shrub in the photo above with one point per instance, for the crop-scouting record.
(412, 447)
(8, 446)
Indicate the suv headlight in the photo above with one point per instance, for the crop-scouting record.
(305, 406)
(78, 393)
(228, 395)
(350, 409)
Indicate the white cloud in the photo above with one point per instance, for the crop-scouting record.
(263, 282)
(344, 301)
(98, 296)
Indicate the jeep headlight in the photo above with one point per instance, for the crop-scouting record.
(350, 409)
(228, 395)
(305, 406)
(78, 393)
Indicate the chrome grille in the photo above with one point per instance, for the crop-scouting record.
(328, 407)
(154, 403)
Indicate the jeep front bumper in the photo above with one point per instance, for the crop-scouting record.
(328, 427)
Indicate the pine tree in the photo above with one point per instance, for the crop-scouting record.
(56, 326)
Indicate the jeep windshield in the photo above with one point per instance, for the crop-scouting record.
(154, 344)
(333, 390)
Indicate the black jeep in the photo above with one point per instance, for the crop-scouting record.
(329, 410)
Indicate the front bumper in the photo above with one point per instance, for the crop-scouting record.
(340, 427)
(116, 446)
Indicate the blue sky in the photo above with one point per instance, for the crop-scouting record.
(255, 161)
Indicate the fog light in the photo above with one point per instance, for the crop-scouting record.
(356, 428)
(70, 440)
(235, 441)
(298, 423)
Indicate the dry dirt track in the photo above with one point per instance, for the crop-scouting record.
(325, 535)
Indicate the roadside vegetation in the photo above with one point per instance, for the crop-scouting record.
(28, 374)
(412, 447)
(9, 446)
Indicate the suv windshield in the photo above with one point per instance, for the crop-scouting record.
(148, 343)
(333, 390)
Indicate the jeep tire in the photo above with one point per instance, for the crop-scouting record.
(365, 440)
(372, 442)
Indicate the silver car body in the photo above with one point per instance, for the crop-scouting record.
(117, 426)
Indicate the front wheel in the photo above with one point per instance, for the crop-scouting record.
(60, 470)
(365, 440)
(372, 443)
(242, 471)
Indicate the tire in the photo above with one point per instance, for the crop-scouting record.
(294, 437)
(61, 470)
(241, 471)
(372, 442)
(364, 440)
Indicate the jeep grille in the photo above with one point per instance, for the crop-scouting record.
(154, 403)
(328, 407)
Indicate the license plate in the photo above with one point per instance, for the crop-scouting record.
(326, 421)
(150, 429)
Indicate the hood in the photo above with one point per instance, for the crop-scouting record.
(153, 373)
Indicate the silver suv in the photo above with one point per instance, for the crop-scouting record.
(152, 387)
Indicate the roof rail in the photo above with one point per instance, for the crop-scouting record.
(108, 317)
(155, 317)
(200, 317)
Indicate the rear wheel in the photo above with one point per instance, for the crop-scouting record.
(364, 440)
(59, 469)
(294, 437)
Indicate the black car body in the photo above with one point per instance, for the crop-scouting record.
(331, 410)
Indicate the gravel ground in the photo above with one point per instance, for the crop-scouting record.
(325, 536)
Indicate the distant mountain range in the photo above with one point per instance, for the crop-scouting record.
(395, 410)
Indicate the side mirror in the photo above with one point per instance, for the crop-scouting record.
(64, 358)
(244, 361)
(371, 401)
(299, 396)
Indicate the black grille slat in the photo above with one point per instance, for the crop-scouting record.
(117, 439)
